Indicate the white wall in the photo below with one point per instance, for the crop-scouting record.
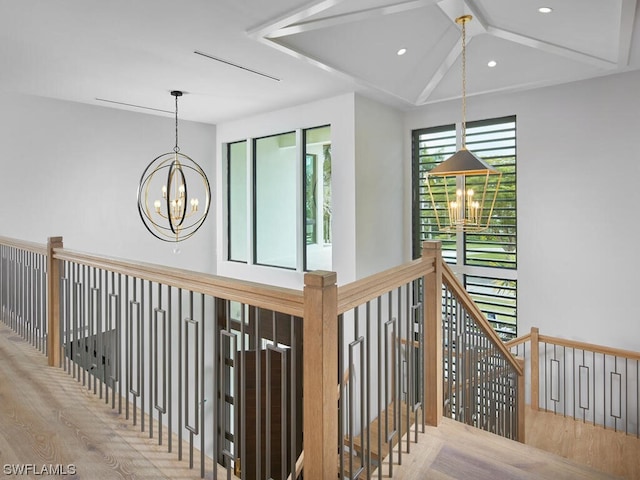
(337, 112)
(577, 261)
(578, 198)
(367, 184)
(72, 170)
(380, 229)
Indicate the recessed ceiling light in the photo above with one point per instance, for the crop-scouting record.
(492, 63)
(402, 51)
(545, 9)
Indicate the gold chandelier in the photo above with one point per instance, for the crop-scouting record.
(463, 189)
(169, 194)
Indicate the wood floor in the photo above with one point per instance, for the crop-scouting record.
(604, 450)
(454, 451)
(48, 419)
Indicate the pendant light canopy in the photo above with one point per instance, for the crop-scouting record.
(174, 194)
(463, 189)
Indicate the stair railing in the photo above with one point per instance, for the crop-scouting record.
(590, 383)
(171, 350)
(483, 382)
(383, 337)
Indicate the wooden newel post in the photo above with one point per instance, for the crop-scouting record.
(432, 298)
(320, 370)
(53, 302)
(535, 368)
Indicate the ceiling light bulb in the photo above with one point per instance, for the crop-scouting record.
(402, 51)
(545, 9)
(492, 63)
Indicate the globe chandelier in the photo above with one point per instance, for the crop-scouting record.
(174, 194)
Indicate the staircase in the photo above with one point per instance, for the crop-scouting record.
(454, 450)
(614, 453)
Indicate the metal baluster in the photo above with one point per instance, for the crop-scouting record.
(564, 381)
(604, 391)
(637, 399)
(170, 328)
(86, 326)
(152, 348)
(366, 429)
(595, 400)
(257, 379)
(66, 283)
(127, 333)
(217, 389)
(140, 356)
(293, 395)
(202, 398)
(154, 364)
(409, 363)
(382, 408)
(341, 401)
(399, 381)
(243, 393)
(119, 336)
(389, 348)
(180, 374)
(626, 396)
(102, 358)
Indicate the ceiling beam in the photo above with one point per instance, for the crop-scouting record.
(350, 17)
(627, 20)
(442, 70)
(550, 48)
(289, 18)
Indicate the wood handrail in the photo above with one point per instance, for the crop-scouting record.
(279, 299)
(469, 305)
(39, 248)
(361, 291)
(631, 355)
(514, 342)
(562, 342)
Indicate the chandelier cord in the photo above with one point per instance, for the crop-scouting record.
(176, 149)
(464, 85)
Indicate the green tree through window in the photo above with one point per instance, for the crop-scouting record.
(487, 260)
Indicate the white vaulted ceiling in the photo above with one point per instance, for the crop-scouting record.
(130, 54)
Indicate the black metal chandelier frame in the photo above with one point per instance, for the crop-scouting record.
(171, 219)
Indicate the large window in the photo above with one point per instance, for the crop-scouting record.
(486, 261)
(237, 177)
(279, 200)
(317, 198)
(274, 207)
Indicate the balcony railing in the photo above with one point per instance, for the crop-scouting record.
(590, 383)
(23, 289)
(215, 368)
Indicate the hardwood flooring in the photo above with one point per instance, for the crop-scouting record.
(454, 451)
(604, 450)
(49, 422)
